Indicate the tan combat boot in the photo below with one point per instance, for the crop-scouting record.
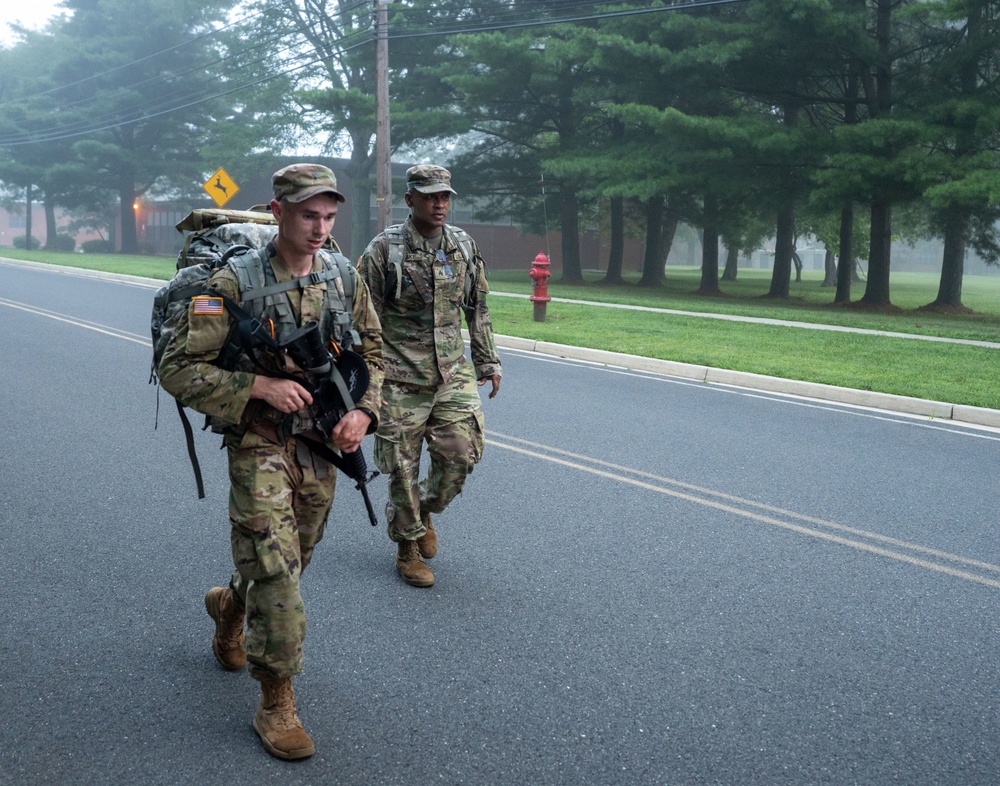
(227, 644)
(428, 542)
(411, 566)
(277, 723)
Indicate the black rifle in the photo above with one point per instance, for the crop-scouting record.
(342, 381)
(336, 385)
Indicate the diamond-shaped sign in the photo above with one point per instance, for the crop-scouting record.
(221, 187)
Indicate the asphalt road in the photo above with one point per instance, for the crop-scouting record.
(648, 580)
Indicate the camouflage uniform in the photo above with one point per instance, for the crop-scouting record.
(280, 493)
(430, 391)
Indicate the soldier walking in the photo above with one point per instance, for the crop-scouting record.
(281, 491)
(423, 275)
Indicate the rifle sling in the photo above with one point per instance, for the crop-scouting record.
(324, 452)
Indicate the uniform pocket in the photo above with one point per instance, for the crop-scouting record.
(386, 452)
(478, 440)
(257, 555)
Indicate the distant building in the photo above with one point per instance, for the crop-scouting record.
(500, 239)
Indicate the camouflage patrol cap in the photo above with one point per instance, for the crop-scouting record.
(428, 179)
(299, 182)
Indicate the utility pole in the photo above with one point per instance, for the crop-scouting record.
(383, 163)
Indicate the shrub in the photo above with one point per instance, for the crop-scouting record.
(64, 243)
(21, 242)
(95, 247)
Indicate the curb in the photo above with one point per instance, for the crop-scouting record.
(84, 272)
(936, 410)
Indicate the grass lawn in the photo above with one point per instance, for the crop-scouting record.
(954, 373)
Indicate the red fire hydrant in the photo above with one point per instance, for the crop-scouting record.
(540, 275)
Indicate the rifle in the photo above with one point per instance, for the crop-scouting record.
(336, 384)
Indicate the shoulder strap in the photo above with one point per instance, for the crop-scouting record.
(339, 301)
(394, 261)
(464, 242)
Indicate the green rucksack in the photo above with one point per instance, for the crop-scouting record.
(215, 237)
(397, 249)
(239, 239)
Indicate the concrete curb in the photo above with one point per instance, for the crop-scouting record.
(937, 410)
(85, 273)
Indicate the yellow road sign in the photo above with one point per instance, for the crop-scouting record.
(221, 187)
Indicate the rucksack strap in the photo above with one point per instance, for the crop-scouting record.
(464, 242)
(192, 454)
(256, 281)
(394, 262)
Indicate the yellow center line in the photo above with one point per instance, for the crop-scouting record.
(766, 519)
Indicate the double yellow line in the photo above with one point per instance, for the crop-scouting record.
(862, 540)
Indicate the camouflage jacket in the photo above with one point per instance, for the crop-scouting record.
(189, 369)
(422, 329)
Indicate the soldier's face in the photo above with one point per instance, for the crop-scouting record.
(305, 226)
(429, 212)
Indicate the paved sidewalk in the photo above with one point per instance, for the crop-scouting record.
(766, 321)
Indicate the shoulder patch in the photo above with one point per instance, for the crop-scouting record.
(207, 305)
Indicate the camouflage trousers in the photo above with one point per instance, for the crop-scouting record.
(450, 419)
(279, 500)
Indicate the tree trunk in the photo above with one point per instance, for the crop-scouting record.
(845, 254)
(569, 222)
(126, 198)
(956, 220)
(732, 262)
(710, 248)
(652, 263)
(616, 256)
(956, 230)
(784, 247)
(829, 269)
(784, 244)
(879, 250)
(877, 291)
(51, 231)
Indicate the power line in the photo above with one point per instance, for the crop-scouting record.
(185, 98)
(501, 24)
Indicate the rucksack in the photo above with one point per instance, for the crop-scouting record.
(397, 248)
(215, 237)
(239, 239)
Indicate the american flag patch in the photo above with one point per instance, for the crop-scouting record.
(203, 304)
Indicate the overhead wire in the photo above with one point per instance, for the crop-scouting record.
(184, 97)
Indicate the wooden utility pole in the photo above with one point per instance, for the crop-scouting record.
(383, 163)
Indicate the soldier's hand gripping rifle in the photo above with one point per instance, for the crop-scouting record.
(337, 383)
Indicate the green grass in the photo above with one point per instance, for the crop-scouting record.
(148, 267)
(944, 372)
(808, 300)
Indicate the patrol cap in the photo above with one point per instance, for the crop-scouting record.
(428, 179)
(299, 182)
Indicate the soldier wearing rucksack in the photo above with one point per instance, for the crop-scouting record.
(255, 393)
(424, 275)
